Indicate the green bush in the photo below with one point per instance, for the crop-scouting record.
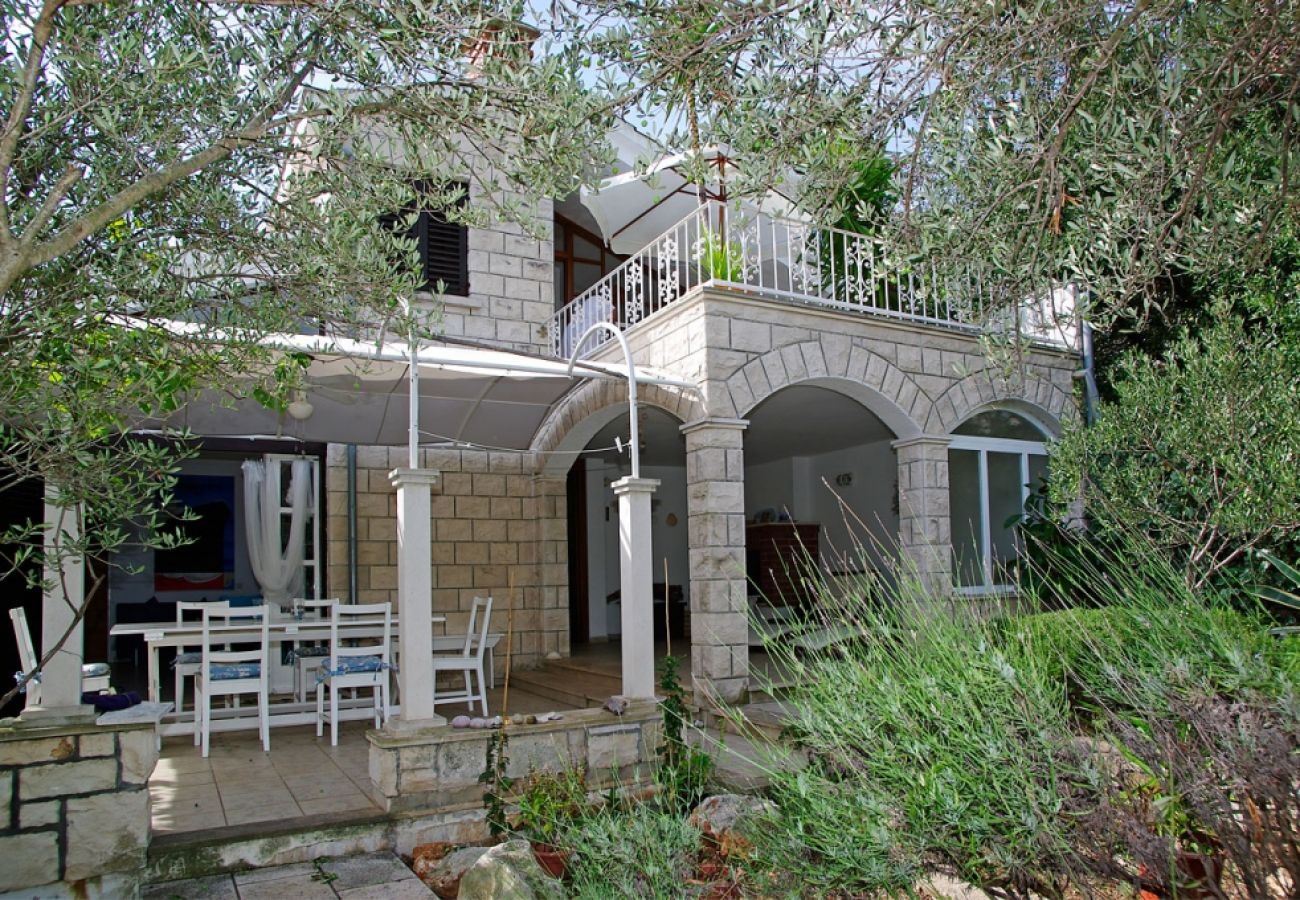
(643, 850)
(943, 739)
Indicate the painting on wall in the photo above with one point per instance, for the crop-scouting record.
(207, 561)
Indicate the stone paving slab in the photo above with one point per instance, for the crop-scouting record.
(371, 876)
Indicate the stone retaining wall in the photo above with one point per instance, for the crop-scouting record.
(439, 768)
(77, 806)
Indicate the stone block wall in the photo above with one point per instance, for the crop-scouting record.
(439, 768)
(498, 530)
(511, 279)
(77, 808)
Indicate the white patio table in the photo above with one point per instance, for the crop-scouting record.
(284, 628)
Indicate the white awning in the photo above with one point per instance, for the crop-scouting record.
(634, 208)
(358, 394)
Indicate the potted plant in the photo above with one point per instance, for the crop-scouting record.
(549, 803)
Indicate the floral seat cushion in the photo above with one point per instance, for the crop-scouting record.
(351, 665)
(233, 671)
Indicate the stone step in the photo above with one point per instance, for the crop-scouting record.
(560, 687)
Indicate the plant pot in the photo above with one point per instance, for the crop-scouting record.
(553, 860)
(1198, 876)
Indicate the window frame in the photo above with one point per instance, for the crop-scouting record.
(984, 446)
(563, 254)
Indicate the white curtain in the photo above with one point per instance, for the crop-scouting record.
(279, 573)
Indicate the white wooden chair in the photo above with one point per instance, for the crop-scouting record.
(363, 665)
(308, 658)
(232, 672)
(469, 662)
(94, 676)
(187, 662)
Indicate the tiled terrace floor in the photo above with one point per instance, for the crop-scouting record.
(302, 777)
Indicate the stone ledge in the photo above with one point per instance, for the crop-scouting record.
(637, 711)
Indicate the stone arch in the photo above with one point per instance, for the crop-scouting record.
(1041, 399)
(577, 418)
(840, 365)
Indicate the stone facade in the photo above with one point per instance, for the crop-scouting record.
(499, 520)
(510, 279)
(498, 530)
(77, 809)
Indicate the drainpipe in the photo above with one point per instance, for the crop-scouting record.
(352, 523)
(1091, 398)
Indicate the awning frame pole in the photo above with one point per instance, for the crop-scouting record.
(635, 438)
(413, 402)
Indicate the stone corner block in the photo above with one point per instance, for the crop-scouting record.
(106, 833)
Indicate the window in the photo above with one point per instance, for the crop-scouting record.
(443, 246)
(580, 260)
(995, 461)
(279, 470)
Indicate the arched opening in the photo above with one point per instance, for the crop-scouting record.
(821, 484)
(595, 602)
(996, 460)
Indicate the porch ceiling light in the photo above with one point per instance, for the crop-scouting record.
(300, 407)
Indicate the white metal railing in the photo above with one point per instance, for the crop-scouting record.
(746, 250)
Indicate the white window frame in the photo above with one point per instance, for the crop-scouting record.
(313, 587)
(984, 446)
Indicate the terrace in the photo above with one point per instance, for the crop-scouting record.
(745, 250)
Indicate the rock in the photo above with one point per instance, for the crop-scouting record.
(729, 820)
(509, 872)
(460, 722)
(425, 856)
(443, 875)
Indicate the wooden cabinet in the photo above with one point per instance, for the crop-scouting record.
(778, 558)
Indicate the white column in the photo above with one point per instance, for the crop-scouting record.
(415, 596)
(635, 556)
(65, 592)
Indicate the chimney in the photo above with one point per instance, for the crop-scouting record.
(503, 40)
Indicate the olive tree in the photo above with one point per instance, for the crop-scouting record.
(226, 163)
(1109, 145)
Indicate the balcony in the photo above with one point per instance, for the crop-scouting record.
(747, 251)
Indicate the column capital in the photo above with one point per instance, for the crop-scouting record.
(404, 477)
(630, 485)
(714, 422)
(922, 440)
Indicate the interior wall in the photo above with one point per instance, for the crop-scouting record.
(667, 540)
(131, 578)
(799, 485)
(771, 486)
(871, 498)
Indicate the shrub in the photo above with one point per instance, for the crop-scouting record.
(643, 850)
(1026, 752)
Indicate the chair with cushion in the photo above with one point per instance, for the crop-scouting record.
(362, 663)
(469, 661)
(232, 672)
(186, 663)
(308, 658)
(94, 676)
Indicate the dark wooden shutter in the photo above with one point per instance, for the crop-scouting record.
(443, 246)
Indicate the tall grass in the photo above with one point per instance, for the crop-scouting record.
(986, 741)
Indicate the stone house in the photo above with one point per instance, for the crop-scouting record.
(835, 410)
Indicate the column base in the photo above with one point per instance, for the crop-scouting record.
(399, 727)
(53, 716)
